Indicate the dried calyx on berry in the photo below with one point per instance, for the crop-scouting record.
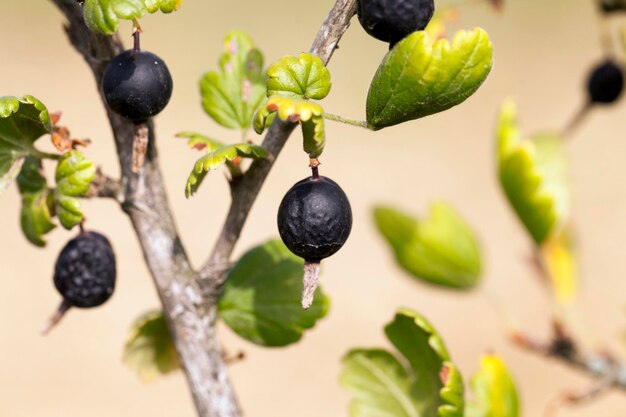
(393, 20)
(137, 84)
(84, 274)
(314, 221)
(606, 83)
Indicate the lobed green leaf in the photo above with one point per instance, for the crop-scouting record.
(309, 114)
(418, 78)
(380, 384)
(232, 95)
(214, 159)
(441, 249)
(149, 350)
(262, 297)
(74, 173)
(165, 6)
(103, 16)
(303, 76)
(22, 121)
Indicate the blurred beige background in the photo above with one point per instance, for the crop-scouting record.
(542, 52)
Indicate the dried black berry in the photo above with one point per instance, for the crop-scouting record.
(137, 85)
(314, 218)
(393, 20)
(84, 274)
(85, 271)
(314, 221)
(606, 83)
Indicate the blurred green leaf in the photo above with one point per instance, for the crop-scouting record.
(303, 76)
(22, 121)
(165, 6)
(149, 350)
(441, 249)
(262, 297)
(381, 385)
(218, 157)
(494, 390)
(35, 215)
(309, 114)
(418, 78)
(232, 95)
(533, 175)
(74, 173)
(103, 16)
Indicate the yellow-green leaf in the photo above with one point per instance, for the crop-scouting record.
(494, 390)
(440, 249)
(103, 16)
(35, 215)
(419, 77)
(309, 114)
(149, 350)
(217, 158)
(165, 6)
(303, 76)
(533, 175)
(558, 256)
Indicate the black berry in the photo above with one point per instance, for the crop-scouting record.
(393, 20)
(137, 85)
(314, 218)
(85, 271)
(606, 83)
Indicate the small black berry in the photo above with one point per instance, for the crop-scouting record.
(606, 83)
(393, 20)
(314, 221)
(137, 85)
(85, 271)
(314, 218)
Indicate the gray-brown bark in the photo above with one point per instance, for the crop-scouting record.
(190, 307)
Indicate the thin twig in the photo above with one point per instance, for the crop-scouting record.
(599, 366)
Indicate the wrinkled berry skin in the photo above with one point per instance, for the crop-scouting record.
(85, 271)
(137, 85)
(606, 83)
(314, 218)
(393, 20)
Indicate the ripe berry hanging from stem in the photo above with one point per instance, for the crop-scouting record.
(314, 221)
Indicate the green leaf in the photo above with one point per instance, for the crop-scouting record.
(533, 175)
(35, 215)
(381, 385)
(165, 6)
(261, 299)
(418, 78)
(217, 158)
(309, 114)
(303, 76)
(22, 122)
(103, 16)
(441, 249)
(149, 350)
(232, 95)
(494, 390)
(74, 173)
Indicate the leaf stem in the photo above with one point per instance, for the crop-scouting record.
(45, 155)
(346, 120)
